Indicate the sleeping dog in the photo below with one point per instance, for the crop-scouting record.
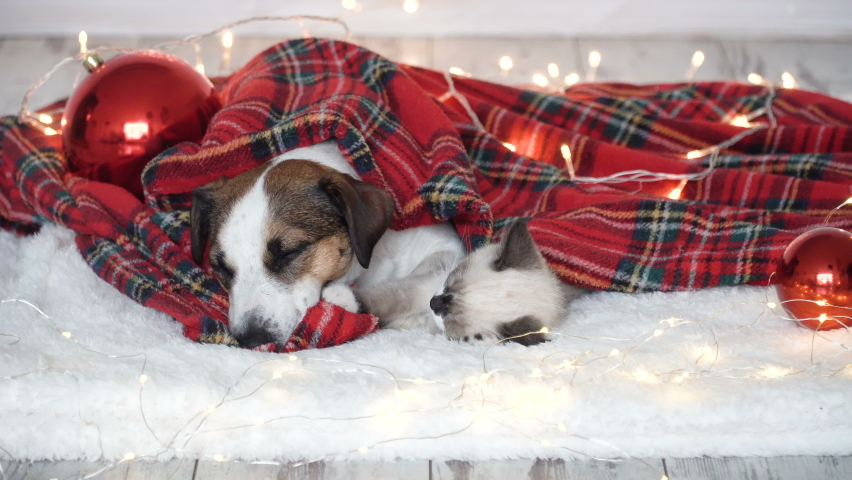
(304, 227)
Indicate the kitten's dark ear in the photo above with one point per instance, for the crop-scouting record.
(367, 210)
(199, 217)
(518, 250)
(521, 326)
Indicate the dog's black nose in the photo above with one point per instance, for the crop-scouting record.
(254, 334)
(440, 304)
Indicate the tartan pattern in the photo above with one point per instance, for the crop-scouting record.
(395, 124)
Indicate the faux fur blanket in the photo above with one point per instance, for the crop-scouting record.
(401, 130)
(768, 387)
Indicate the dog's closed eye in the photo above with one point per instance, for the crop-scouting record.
(225, 273)
(282, 256)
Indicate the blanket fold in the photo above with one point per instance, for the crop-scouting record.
(401, 130)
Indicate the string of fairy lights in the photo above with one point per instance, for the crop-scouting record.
(471, 395)
(550, 82)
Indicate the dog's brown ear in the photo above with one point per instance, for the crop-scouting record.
(518, 250)
(367, 210)
(199, 217)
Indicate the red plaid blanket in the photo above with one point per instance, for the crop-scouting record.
(400, 131)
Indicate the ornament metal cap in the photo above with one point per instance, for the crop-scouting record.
(92, 61)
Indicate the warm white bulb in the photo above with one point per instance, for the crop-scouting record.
(66, 334)
(143, 378)
(349, 4)
(697, 59)
(594, 59)
(129, 457)
(740, 121)
(456, 71)
(528, 405)
(561, 427)
(363, 449)
(418, 381)
(540, 80)
(677, 191)
(506, 63)
(83, 38)
(822, 317)
(614, 352)
(571, 79)
(544, 330)
(276, 375)
(50, 131)
(553, 70)
(755, 78)
(45, 118)
(545, 443)
(771, 304)
(787, 80)
(566, 151)
(693, 154)
(410, 6)
(509, 146)
(536, 372)
(210, 409)
(200, 68)
(258, 421)
(657, 333)
(218, 458)
(293, 358)
(228, 39)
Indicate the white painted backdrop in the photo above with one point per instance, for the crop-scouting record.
(501, 18)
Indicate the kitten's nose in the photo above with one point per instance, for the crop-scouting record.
(440, 304)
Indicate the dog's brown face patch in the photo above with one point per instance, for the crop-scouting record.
(305, 234)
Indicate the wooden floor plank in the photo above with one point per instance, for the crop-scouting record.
(407, 470)
(548, 470)
(759, 468)
(706, 468)
(61, 470)
(171, 470)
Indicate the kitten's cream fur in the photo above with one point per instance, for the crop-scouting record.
(503, 290)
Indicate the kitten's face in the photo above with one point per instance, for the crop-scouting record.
(500, 291)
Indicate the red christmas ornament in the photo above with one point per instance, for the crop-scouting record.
(814, 279)
(130, 109)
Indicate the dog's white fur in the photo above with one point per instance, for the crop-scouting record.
(255, 292)
(254, 289)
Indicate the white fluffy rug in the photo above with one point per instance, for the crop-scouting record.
(81, 397)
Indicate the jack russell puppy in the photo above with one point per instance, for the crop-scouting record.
(304, 227)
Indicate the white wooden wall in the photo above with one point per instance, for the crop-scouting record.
(439, 18)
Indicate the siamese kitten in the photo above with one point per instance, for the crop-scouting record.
(503, 290)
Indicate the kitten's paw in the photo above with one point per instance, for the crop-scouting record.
(341, 295)
(482, 337)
